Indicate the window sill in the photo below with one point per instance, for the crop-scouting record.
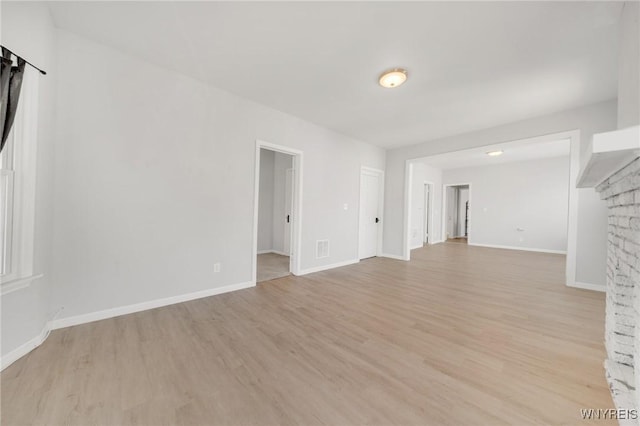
(18, 284)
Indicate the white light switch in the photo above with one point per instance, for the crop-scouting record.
(216, 267)
(346, 206)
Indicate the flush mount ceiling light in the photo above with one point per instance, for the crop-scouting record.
(494, 153)
(393, 78)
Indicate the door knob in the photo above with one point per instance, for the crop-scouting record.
(377, 220)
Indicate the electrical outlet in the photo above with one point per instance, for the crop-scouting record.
(216, 267)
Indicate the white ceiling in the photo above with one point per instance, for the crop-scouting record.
(471, 65)
(512, 152)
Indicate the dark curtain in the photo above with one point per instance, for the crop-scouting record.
(10, 84)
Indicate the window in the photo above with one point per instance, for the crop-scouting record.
(7, 185)
(17, 190)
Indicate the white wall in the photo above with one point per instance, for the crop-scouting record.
(265, 200)
(629, 66)
(27, 29)
(531, 195)
(591, 251)
(154, 181)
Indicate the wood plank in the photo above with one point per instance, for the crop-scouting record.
(459, 335)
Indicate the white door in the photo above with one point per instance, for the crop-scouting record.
(369, 213)
(452, 211)
(426, 213)
(463, 197)
(288, 210)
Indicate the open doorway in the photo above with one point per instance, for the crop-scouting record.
(456, 212)
(276, 211)
(534, 209)
(423, 226)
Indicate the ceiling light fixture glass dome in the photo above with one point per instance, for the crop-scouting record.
(393, 78)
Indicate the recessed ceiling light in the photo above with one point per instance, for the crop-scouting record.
(495, 153)
(393, 78)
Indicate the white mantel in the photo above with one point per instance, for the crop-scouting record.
(608, 153)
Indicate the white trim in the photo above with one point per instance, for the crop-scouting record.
(371, 170)
(393, 256)
(588, 286)
(289, 175)
(518, 248)
(380, 175)
(607, 153)
(281, 253)
(428, 212)
(296, 229)
(572, 214)
(25, 348)
(28, 175)
(18, 284)
(25, 153)
(152, 304)
(326, 267)
(408, 179)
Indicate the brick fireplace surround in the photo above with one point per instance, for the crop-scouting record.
(622, 338)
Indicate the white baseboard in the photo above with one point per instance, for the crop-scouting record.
(392, 256)
(519, 248)
(281, 253)
(25, 348)
(326, 267)
(588, 286)
(129, 309)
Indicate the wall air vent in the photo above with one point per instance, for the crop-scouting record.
(322, 249)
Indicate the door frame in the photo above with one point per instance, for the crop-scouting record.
(290, 209)
(428, 213)
(444, 209)
(364, 170)
(296, 228)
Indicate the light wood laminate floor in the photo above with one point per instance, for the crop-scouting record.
(460, 335)
(462, 240)
(271, 266)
